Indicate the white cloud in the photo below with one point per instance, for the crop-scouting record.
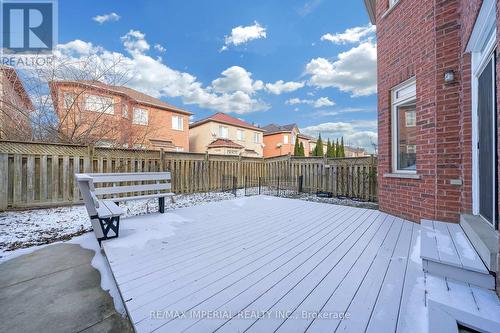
(354, 72)
(135, 42)
(323, 101)
(281, 86)
(242, 35)
(159, 48)
(111, 17)
(151, 76)
(320, 102)
(308, 7)
(236, 78)
(351, 35)
(361, 133)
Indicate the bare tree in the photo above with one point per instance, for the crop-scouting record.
(85, 111)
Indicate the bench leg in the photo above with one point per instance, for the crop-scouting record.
(161, 204)
(107, 224)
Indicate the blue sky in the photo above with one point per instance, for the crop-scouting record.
(231, 56)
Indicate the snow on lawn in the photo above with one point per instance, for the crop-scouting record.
(19, 229)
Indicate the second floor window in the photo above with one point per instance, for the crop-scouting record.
(223, 132)
(177, 123)
(69, 100)
(411, 118)
(256, 137)
(285, 139)
(392, 3)
(125, 111)
(140, 117)
(101, 104)
(240, 135)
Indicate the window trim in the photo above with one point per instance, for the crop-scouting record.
(220, 132)
(256, 137)
(110, 109)
(238, 137)
(180, 121)
(408, 87)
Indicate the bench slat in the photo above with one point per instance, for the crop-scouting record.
(128, 177)
(132, 188)
(113, 208)
(141, 197)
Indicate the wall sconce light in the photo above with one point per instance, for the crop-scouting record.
(449, 76)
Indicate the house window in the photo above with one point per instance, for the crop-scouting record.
(101, 104)
(125, 111)
(404, 130)
(256, 137)
(285, 139)
(69, 100)
(223, 132)
(411, 118)
(140, 117)
(179, 149)
(177, 123)
(240, 135)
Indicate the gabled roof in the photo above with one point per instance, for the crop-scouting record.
(273, 128)
(11, 75)
(307, 137)
(224, 143)
(226, 119)
(133, 94)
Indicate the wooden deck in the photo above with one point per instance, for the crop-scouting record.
(265, 264)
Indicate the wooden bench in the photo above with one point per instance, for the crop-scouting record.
(102, 200)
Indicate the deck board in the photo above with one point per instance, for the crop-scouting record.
(279, 257)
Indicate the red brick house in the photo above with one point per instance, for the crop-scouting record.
(438, 112)
(118, 116)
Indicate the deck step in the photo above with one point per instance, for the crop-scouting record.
(446, 251)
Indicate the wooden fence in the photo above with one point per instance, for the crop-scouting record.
(42, 174)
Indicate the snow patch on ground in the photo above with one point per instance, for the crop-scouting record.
(135, 232)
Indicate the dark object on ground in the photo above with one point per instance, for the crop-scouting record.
(323, 194)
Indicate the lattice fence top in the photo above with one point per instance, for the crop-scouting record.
(33, 148)
(126, 153)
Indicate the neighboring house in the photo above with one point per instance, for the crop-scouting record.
(438, 112)
(308, 142)
(279, 140)
(225, 135)
(15, 107)
(117, 116)
(312, 146)
(354, 152)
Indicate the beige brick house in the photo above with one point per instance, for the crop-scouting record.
(225, 135)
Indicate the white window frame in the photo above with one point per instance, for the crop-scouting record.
(256, 137)
(402, 94)
(223, 132)
(285, 139)
(141, 119)
(100, 104)
(178, 123)
(413, 149)
(240, 135)
(482, 44)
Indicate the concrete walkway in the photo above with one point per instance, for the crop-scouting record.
(55, 289)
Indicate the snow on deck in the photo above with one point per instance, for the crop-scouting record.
(265, 264)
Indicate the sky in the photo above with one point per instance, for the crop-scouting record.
(310, 62)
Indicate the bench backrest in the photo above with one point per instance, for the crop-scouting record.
(112, 185)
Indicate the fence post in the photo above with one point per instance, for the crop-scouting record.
(90, 163)
(300, 183)
(4, 180)
(278, 187)
(162, 162)
(235, 181)
(259, 185)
